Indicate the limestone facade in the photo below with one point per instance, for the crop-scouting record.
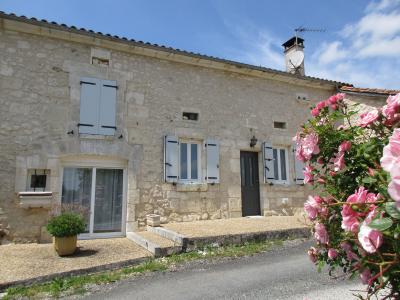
(40, 74)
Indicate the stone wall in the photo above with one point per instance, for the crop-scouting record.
(40, 92)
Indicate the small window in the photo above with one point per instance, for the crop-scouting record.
(190, 116)
(100, 61)
(280, 165)
(189, 161)
(280, 125)
(37, 180)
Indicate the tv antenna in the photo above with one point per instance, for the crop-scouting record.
(306, 29)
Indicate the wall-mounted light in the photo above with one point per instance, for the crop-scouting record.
(253, 141)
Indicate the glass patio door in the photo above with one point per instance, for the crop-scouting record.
(98, 194)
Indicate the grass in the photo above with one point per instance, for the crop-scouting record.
(80, 284)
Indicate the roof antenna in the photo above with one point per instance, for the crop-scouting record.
(306, 29)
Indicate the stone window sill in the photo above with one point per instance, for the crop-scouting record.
(191, 187)
(35, 199)
(85, 136)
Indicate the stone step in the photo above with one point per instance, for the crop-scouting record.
(177, 238)
(154, 243)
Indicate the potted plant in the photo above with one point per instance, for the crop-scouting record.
(64, 228)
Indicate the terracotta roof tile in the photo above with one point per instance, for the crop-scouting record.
(368, 91)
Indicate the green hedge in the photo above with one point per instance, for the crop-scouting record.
(66, 224)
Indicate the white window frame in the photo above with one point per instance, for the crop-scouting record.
(280, 181)
(94, 164)
(189, 161)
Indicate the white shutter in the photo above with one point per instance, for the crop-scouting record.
(89, 106)
(268, 162)
(108, 102)
(171, 159)
(212, 152)
(298, 167)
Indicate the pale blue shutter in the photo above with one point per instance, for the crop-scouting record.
(298, 168)
(89, 106)
(171, 158)
(268, 162)
(212, 155)
(108, 102)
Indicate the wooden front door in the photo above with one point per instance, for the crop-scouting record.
(250, 183)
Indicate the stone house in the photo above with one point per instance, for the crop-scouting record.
(123, 129)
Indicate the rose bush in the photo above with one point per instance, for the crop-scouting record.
(352, 161)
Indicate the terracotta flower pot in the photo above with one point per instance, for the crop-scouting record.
(65, 245)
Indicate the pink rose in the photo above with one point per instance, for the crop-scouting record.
(394, 190)
(366, 276)
(308, 175)
(332, 99)
(321, 105)
(340, 96)
(350, 218)
(368, 118)
(338, 162)
(345, 146)
(361, 196)
(306, 146)
(321, 235)
(313, 206)
(313, 254)
(390, 160)
(370, 239)
(332, 253)
(391, 109)
(315, 112)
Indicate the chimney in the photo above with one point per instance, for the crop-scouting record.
(294, 55)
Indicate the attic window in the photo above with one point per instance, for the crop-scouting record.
(100, 61)
(190, 116)
(99, 56)
(280, 125)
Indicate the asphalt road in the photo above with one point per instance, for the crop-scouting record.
(282, 274)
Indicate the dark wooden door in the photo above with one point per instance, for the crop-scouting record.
(250, 183)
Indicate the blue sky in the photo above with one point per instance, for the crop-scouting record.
(361, 44)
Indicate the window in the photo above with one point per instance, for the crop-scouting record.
(37, 180)
(98, 106)
(189, 161)
(279, 125)
(190, 116)
(280, 165)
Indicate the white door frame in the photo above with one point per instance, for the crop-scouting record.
(95, 164)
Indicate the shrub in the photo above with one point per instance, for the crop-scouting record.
(66, 224)
(353, 162)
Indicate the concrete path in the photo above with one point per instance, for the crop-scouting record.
(282, 274)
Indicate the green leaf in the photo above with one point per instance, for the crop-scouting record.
(392, 210)
(381, 224)
(369, 180)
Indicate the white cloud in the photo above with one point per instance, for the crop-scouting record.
(382, 5)
(331, 52)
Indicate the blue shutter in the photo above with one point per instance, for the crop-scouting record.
(268, 162)
(89, 106)
(107, 111)
(298, 167)
(171, 159)
(212, 153)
